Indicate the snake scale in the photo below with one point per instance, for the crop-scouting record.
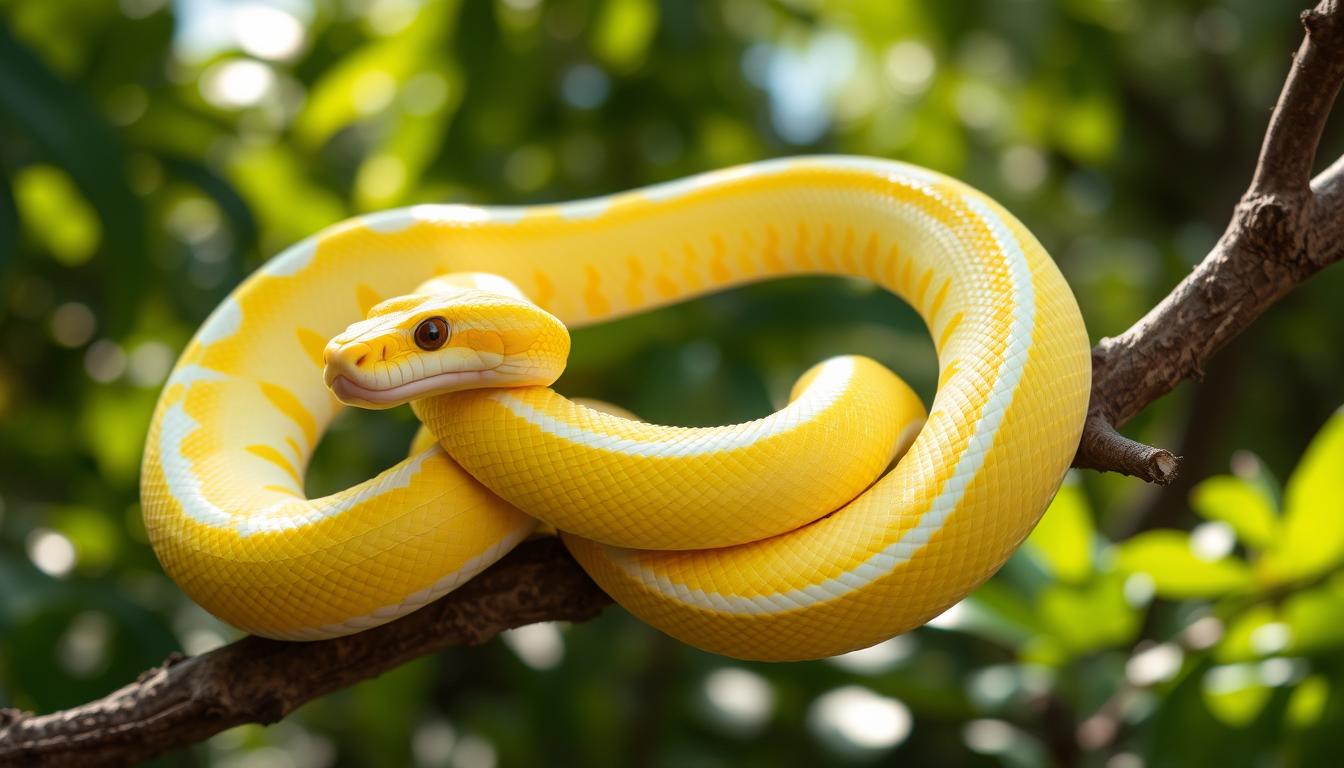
(794, 536)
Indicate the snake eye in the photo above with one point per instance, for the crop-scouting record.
(431, 333)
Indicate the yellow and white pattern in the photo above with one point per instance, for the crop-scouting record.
(245, 406)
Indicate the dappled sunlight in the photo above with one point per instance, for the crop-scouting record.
(156, 152)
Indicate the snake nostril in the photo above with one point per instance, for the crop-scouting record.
(383, 349)
(359, 361)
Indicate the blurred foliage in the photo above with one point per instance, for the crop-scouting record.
(152, 153)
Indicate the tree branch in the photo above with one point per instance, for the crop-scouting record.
(1282, 232)
(1285, 229)
(255, 680)
(1114, 452)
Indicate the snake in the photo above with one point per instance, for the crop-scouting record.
(850, 515)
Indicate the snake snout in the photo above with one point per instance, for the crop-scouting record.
(353, 358)
(371, 353)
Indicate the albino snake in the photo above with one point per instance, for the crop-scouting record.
(777, 539)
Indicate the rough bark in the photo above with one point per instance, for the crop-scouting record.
(1286, 228)
(254, 680)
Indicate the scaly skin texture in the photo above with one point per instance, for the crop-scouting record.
(223, 495)
(646, 486)
(609, 477)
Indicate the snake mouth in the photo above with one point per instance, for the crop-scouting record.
(350, 393)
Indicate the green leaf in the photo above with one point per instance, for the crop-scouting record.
(58, 119)
(1177, 572)
(1062, 541)
(95, 535)
(113, 424)
(1312, 538)
(272, 177)
(623, 32)
(1088, 128)
(426, 106)
(1234, 693)
(364, 83)
(1253, 634)
(997, 612)
(361, 85)
(1307, 703)
(1316, 618)
(56, 214)
(1087, 618)
(242, 223)
(1244, 506)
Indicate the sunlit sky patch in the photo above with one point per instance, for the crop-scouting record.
(267, 29)
(802, 81)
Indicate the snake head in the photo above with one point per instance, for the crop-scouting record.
(446, 340)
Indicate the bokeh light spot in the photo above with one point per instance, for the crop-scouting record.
(1271, 638)
(1023, 168)
(82, 648)
(539, 646)
(104, 361)
(149, 363)
(473, 751)
(855, 719)
(73, 324)
(267, 32)
(51, 552)
(989, 737)
(584, 86)
(432, 743)
(236, 83)
(1156, 664)
(741, 699)
(909, 67)
(1212, 541)
(425, 93)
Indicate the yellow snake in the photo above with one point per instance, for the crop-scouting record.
(783, 538)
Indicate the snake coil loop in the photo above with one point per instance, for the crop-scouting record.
(778, 539)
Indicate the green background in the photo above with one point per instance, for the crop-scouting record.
(152, 153)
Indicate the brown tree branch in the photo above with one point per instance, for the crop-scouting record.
(1113, 452)
(1283, 231)
(260, 681)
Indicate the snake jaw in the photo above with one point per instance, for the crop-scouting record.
(352, 393)
(374, 374)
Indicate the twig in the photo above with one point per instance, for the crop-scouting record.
(1116, 453)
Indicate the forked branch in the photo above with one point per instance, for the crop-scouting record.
(1286, 228)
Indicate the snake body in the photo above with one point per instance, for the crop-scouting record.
(719, 537)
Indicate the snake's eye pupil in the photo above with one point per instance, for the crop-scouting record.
(431, 333)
